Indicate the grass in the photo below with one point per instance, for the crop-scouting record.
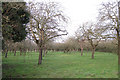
(61, 65)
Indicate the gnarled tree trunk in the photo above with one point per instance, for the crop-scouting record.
(81, 51)
(40, 46)
(93, 52)
(118, 38)
(40, 56)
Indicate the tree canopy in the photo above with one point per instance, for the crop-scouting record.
(14, 20)
(47, 22)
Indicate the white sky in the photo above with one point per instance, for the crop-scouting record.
(79, 11)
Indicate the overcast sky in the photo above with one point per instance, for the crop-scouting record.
(79, 11)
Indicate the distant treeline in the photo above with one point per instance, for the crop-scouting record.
(69, 45)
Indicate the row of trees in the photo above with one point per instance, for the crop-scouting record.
(43, 22)
(40, 22)
(23, 47)
(72, 44)
(106, 26)
(14, 20)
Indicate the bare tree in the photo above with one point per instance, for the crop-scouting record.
(108, 18)
(92, 33)
(108, 15)
(80, 40)
(47, 22)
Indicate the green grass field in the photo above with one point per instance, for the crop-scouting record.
(61, 65)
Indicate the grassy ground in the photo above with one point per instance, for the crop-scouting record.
(61, 65)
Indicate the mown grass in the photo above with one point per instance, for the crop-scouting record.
(61, 65)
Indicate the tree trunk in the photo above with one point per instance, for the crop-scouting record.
(20, 52)
(93, 51)
(40, 56)
(119, 50)
(118, 37)
(81, 51)
(15, 53)
(6, 52)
